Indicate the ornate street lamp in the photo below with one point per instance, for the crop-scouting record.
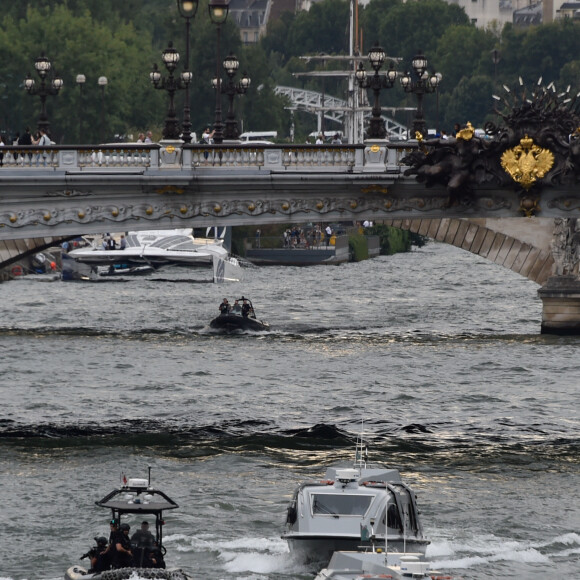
(377, 82)
(171, 84)
(422, 84)
(218, 13)
(103, 82)
(43, 66)
(231, 65)
(187, 10)
(81, 79)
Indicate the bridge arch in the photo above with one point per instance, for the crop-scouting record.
(528, 254)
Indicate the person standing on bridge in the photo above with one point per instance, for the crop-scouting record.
(42, 141)
(26, 139)
(328, 235)
(207, 136)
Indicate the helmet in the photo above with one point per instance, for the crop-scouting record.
(124, 527)
(101, 541)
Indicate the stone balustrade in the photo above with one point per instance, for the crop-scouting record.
(372, 156)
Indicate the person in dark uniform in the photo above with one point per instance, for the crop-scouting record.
(143, 543)
(100, 557)
(122, 554)
(114, 525)
(246, 309)
(224, 307)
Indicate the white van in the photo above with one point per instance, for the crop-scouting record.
(258, 136)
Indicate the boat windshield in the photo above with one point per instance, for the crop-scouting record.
(340, 504)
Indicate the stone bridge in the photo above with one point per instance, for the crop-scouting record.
(60, 192)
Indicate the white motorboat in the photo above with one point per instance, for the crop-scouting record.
(374, 559)
(149, 250)
(325, 516)
(138, 498)
(154, 248)
(378, 564)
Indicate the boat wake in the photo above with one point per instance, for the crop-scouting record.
(254, 555)
(469, 554)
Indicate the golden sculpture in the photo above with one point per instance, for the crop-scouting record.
(526, 162)
(466, 133)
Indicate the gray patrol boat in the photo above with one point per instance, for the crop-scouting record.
(325, 516)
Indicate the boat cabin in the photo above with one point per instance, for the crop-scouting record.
(138, 497)
(328, 515)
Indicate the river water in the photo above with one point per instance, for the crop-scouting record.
(437, 352)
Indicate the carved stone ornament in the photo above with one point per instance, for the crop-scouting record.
(183, 209)
(525, 163)
(566, 246)
(69, 193)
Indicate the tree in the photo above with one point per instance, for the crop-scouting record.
(461, 51)
(408, 28)
(78, 44)
(324, 28)
(470, 101)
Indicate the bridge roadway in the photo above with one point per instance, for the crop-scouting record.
(63, 190)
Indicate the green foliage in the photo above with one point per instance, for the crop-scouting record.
(324, 28)
(471, 96)
(392, 240)
(121, 40)
(358, 247)
(409, 27)
(474, 46)
(77, 44)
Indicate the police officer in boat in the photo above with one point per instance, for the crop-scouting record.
(224, 307)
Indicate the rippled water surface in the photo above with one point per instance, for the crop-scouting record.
(437, 351)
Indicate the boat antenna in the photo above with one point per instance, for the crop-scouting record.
(405, 514)
(149, 476)
(361, 451)
(387, 530)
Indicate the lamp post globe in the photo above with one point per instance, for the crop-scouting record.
(42, 66)
(170, 58)
(376, 57)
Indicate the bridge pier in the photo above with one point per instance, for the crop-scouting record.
(560, 294)
(561, 305)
